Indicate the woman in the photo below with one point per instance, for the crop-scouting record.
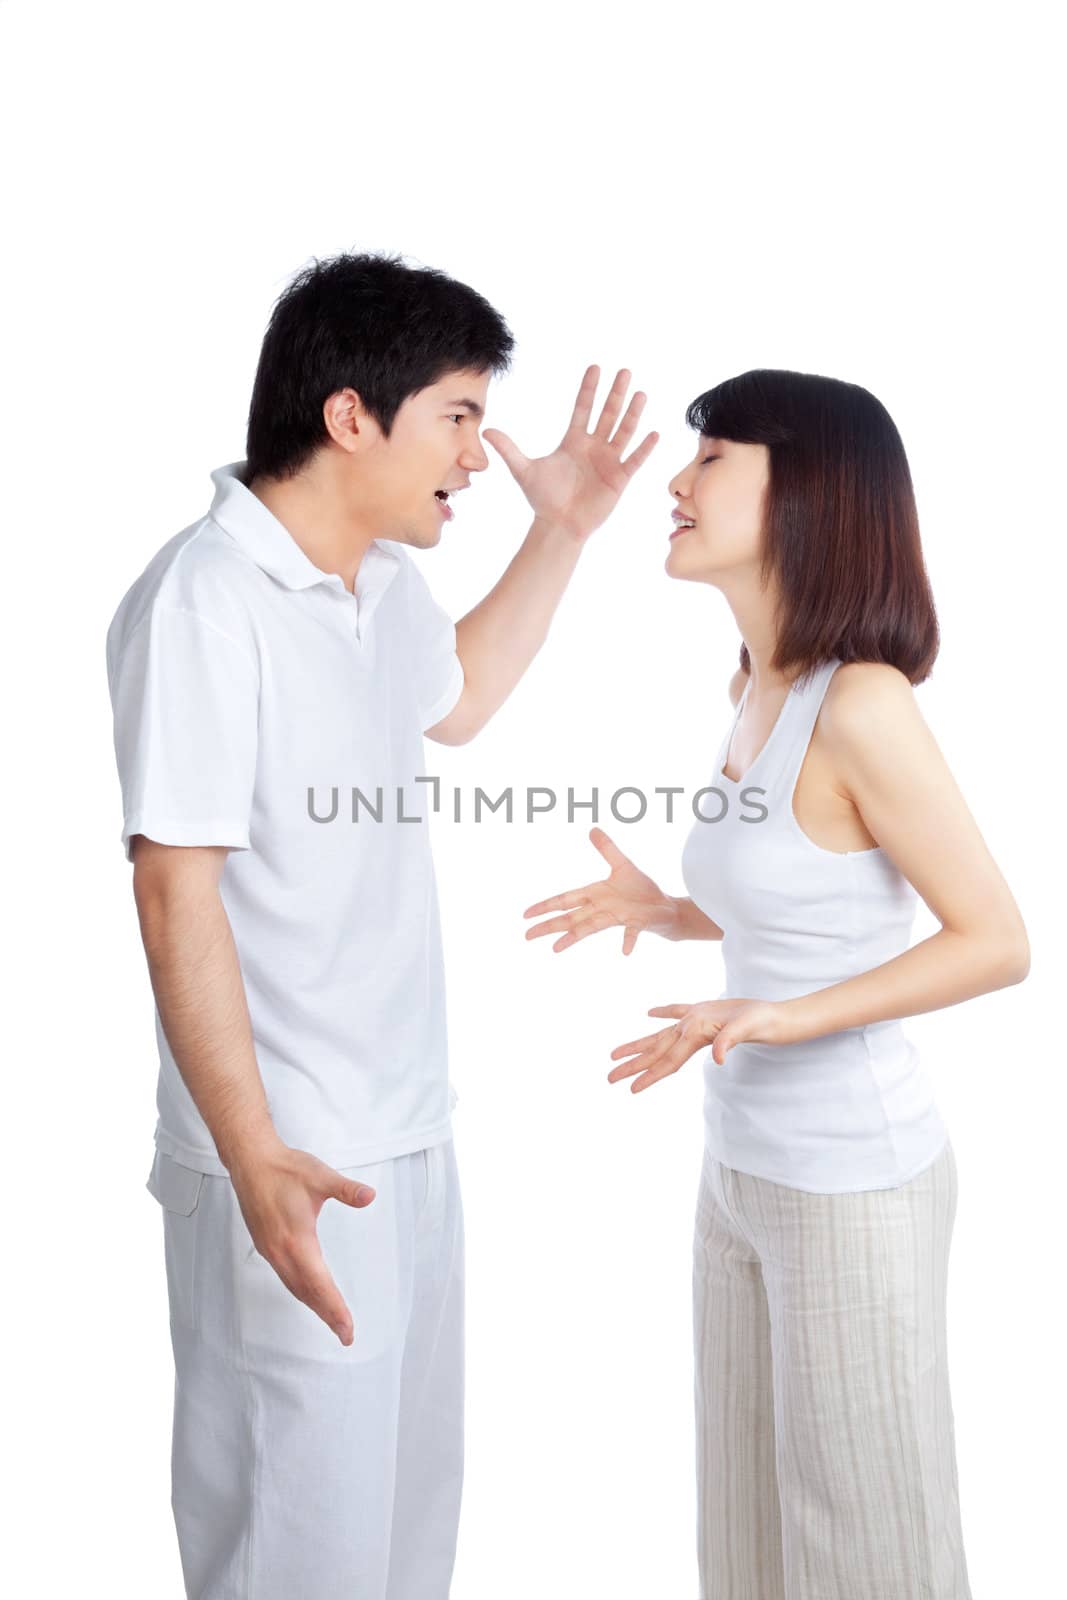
(825, 1449)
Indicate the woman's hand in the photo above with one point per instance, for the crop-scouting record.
(720, 1023)
(626, 899)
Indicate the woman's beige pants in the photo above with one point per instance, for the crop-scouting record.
(826, 1465)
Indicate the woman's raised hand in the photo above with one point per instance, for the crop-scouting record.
(626, 899)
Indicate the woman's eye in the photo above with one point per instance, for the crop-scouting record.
(707, 459)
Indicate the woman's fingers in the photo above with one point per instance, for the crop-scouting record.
(562, 902)
(608, 848)
(652, 1065)
(593, 922)
(577, 924)
(642, 1063)
(553, 925)
(657, 1055)
(636, 1045)
(627, 1069)
(663, 1069)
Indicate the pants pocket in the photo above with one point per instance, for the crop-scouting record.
(177, 1189)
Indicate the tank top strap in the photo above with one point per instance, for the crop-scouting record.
(803, 706)
(728, 735)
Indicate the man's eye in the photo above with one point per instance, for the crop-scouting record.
(460, 416)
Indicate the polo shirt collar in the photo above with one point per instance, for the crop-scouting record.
(268, 542)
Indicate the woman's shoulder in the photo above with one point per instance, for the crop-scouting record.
(869, 708)
(855, 689)
(858, 686)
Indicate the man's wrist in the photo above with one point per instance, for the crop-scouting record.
(544, 531)
(248, 1146)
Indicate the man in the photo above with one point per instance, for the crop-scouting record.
(272, 672)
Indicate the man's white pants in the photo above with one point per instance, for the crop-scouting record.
(302, 1469)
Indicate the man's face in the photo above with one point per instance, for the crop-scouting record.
(434, 446)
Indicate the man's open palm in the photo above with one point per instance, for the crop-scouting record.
(579, 484)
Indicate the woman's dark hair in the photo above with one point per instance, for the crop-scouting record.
(840, 529)
(365, 322)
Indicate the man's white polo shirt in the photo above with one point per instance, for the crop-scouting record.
(260, 705)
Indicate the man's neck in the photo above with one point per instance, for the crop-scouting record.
(319, 523)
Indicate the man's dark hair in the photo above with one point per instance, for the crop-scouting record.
(365, 322)
(840, 524)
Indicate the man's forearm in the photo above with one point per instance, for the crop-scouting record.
(196, 978)
(497, 640)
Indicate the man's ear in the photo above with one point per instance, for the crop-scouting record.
(344, 417)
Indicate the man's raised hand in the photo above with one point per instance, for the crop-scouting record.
(578, 486)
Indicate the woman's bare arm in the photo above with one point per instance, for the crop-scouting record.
(900, 783)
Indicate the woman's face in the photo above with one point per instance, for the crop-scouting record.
(723, 488)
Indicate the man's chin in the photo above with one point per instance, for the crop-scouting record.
(418, 538)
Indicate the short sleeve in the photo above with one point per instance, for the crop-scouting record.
(438, 669)
(185, 698)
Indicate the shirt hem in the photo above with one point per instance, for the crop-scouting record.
(848, 1188)
(352, 1156)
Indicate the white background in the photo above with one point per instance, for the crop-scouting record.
(689, 191)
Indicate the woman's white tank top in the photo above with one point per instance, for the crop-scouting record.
(847, 1110)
